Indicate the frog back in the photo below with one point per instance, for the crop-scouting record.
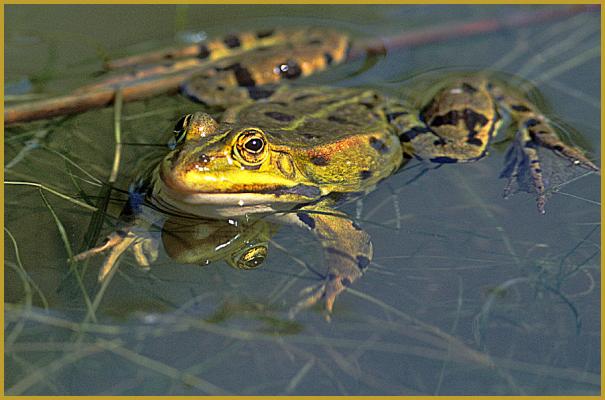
(339, 138)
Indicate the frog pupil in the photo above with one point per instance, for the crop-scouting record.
(255, 261)
(254, 145)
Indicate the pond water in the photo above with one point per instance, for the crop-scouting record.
(468, 293)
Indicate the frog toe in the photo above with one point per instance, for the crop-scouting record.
(111, 261)
(327, 291)
(116, 244)
(523, 172)
(145, 252)
(112, 240)
(311, 295)
(540, 163)
(575, 156)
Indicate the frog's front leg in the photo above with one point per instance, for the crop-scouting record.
(347, 253)
(115, 244)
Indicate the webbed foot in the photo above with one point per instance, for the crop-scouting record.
(116, 243)
(326, 291)
(538, 159)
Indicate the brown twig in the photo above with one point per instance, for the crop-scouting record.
(455, 31)
(168, 80)
(77, 103)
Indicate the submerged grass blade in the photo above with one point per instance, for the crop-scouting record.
(117, 125)
(74, 164)
(27, 289)
(50, 190)
(19, 264)
(163, 369)
(96, 223)
(69, 358)
(67, 244)
(453, 343)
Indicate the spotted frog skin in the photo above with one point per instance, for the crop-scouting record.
(292, 153)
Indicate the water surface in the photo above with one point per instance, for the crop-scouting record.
(468, 293)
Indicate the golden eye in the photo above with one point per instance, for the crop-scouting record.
(180, 129)
(251, 258)
(250, 147)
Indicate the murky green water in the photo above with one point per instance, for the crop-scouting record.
(468, 293)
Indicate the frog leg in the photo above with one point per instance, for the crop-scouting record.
(144, 249)
(116, 251)
(287, 55)
(111, 241)
(116, 243)
(347, 252)
(419, 141)
(421, 138)
(222, 91)
(534, 131)
(145, 252)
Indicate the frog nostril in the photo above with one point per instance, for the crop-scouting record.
(204, 158)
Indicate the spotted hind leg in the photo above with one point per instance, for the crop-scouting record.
(455, 126)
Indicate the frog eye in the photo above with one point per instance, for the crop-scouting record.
(180, 129)
(251, 258)
(254, 145)
(251, 147)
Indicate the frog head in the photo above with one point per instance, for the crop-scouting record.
(227, 169)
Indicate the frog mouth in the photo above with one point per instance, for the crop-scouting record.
(237, 194)
(227, 205)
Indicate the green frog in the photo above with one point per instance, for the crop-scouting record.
(291, 154)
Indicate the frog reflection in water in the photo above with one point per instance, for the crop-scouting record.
(292, 154)
(241, 244)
